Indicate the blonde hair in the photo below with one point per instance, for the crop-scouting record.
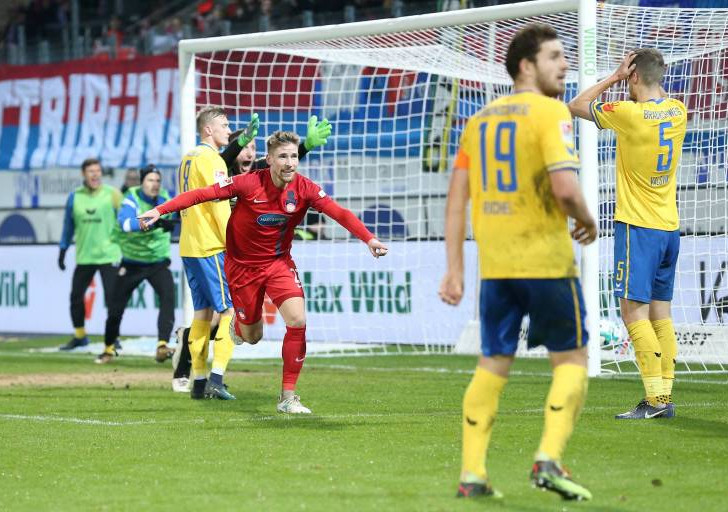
(207, 114)
(281, 138)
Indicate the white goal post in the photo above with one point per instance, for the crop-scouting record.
(398, 92)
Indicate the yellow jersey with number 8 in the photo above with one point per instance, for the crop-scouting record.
(508, 149)
(203, 225)
(650, 137)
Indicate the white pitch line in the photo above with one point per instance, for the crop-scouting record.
(83, 421)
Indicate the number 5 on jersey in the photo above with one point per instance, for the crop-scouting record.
(504, 153)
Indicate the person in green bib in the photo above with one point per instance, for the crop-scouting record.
(145, 257)
(90, 218)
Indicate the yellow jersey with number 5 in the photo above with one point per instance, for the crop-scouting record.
(203, 225)
(508, 149)
(650, 137)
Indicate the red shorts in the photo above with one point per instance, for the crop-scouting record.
(249, 285)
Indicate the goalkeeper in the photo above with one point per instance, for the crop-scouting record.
(145, 257)
(650, 130)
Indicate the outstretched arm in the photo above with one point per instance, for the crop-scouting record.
(354, 226)
(223, 190)
(580, 106)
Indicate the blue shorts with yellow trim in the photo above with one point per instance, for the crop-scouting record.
(555, 307)
(208, 285)
(645, 261)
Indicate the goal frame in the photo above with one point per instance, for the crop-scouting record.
(587, 16)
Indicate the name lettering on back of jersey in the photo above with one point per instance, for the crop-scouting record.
(661, 114)
(515, 109)
(497, 207)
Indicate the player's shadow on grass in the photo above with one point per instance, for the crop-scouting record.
(702, 427)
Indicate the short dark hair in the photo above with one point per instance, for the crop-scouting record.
(526, 44)
(88, 162)
(280, 138)
(650, 65)
(207, 114)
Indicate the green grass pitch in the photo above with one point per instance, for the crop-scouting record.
(385, 436)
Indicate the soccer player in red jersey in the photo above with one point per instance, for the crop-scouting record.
(271, 203)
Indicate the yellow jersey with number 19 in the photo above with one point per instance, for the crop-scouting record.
(203, 225)
(509, 148)
(650, 137)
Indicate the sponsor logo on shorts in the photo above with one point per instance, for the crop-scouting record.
(272, 219)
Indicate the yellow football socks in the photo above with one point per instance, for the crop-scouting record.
(563, 405)
(222, 352)
(665, 332)
(109, 349)
(79, 332)
(199, 345)
(648, 355)
(161, 343)
(480, 405)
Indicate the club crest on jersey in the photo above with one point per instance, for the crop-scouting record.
(272, 219)
(609, 107)
(290, 201)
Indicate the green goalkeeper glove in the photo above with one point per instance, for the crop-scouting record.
(317, 133)
(250, 131)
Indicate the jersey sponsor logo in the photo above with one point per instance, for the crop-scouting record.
(272, 219)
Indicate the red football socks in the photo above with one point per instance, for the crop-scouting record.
(294, 353)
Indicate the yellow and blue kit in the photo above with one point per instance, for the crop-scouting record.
(202, 238)
(526, 255)
(650, 137)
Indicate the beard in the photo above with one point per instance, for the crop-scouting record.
(551, 89)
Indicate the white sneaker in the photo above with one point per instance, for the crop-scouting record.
(181, 385)
(292, 405)
(233, 335)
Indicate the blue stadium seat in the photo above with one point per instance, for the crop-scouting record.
(385, 222)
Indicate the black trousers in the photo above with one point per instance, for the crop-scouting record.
(82, 276)
(131, 276)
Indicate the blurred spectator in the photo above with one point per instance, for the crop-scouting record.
(215, 23)
(167, 42)
(131, 179)
(243, 10)
(114, 34)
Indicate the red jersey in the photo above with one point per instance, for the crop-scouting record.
(262, 225)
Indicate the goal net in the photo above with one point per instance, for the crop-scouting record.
(398, 94)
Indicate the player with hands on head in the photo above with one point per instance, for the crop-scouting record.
(650, 129)
(271, 203)
(517, 164)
